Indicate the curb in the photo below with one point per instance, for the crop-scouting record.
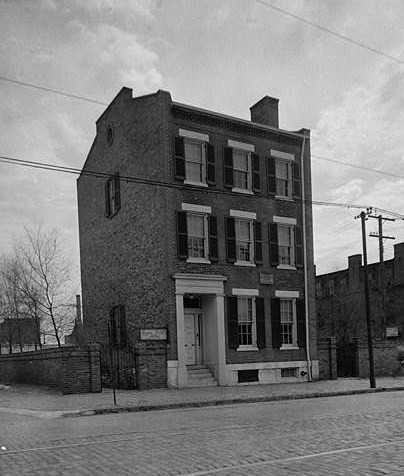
(232, 401)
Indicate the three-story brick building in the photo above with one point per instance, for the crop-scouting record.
(200, 224)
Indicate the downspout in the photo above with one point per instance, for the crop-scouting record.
(306, 301)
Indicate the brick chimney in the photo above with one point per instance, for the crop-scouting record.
(266, 112)
(354, 265)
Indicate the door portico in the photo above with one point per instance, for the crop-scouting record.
(195, 326)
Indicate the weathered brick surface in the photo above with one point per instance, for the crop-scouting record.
(384, 356)
(69, 369)
(151, 365)
(130, 259)
(327, 358)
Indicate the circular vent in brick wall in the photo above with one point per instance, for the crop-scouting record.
(110, 135)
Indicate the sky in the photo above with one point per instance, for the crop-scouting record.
(218, 55)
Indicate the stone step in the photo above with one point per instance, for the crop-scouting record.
(200, 376)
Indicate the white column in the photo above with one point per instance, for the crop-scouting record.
(221, 339)
(182, 376)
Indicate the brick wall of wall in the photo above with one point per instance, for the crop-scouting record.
(384, 356)
(151, 365)
(68, 369)
(327, 358)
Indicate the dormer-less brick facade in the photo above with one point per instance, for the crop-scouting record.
(200, 224)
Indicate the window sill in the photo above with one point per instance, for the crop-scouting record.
(289, 347)
(197, 184)
(242, 190)
(245, 263)
(286, 266)
(246, 348)
(198, 260)
(283, 198)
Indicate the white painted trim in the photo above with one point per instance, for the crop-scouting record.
(194, 135)
(198, 184)
(267, 365)
(198, 260)
(190, 207)
(244, 292)
(285, 220)
(286, 266)
(290, 347)
(287, 294)
(241, 145)
(242, 190)
(245, 263)
(282, 155)
(242, 214)
(247, 348)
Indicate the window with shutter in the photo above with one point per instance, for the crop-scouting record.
(246, 318)
(196, 235)
(112, 195)
(230, 231)
(194, 159)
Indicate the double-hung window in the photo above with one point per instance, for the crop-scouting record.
(194, 158)
(242, 169)
(197, 234)
(286, 244)
(288, 322)
(246, 321)
(195, 161)
(243, 238)
(283, 178)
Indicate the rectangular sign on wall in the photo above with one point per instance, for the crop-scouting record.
(153, 334)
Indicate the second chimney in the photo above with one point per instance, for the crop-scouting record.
(265, 111)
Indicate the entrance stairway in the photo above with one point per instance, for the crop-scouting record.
(200, 376)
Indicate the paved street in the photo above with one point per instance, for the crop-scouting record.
(355, 435)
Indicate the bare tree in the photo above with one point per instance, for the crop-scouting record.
(45, 280)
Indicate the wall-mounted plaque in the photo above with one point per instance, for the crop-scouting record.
(266, 278)
(391, 331)
(153, 334)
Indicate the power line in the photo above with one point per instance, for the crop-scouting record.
(360, 167)
(132, 179)
(50, 90)
(331, 32)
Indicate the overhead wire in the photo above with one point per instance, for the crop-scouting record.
(329, 31)
(138, 180)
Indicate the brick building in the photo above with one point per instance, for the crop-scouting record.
(196, 235)
(340, 299)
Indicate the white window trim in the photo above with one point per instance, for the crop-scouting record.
(192, 182)
(241, 145)
(244, 292)
(286, 266)
(284, 220)
(252, 257)
(190, 207)
(242, 214)
(287, 294)
(194, 135)
(290, 179)
(278, 154)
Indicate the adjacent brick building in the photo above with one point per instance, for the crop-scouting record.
(340, 299)
(196, 240)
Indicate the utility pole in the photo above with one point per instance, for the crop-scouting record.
(380, 235)
(363, 217)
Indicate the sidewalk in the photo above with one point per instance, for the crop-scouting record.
(44, 402)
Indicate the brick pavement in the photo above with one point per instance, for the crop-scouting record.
(279, 438)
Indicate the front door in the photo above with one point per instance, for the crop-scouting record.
(192, 328)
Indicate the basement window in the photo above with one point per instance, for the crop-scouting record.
(248, 376)
(289, 372)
